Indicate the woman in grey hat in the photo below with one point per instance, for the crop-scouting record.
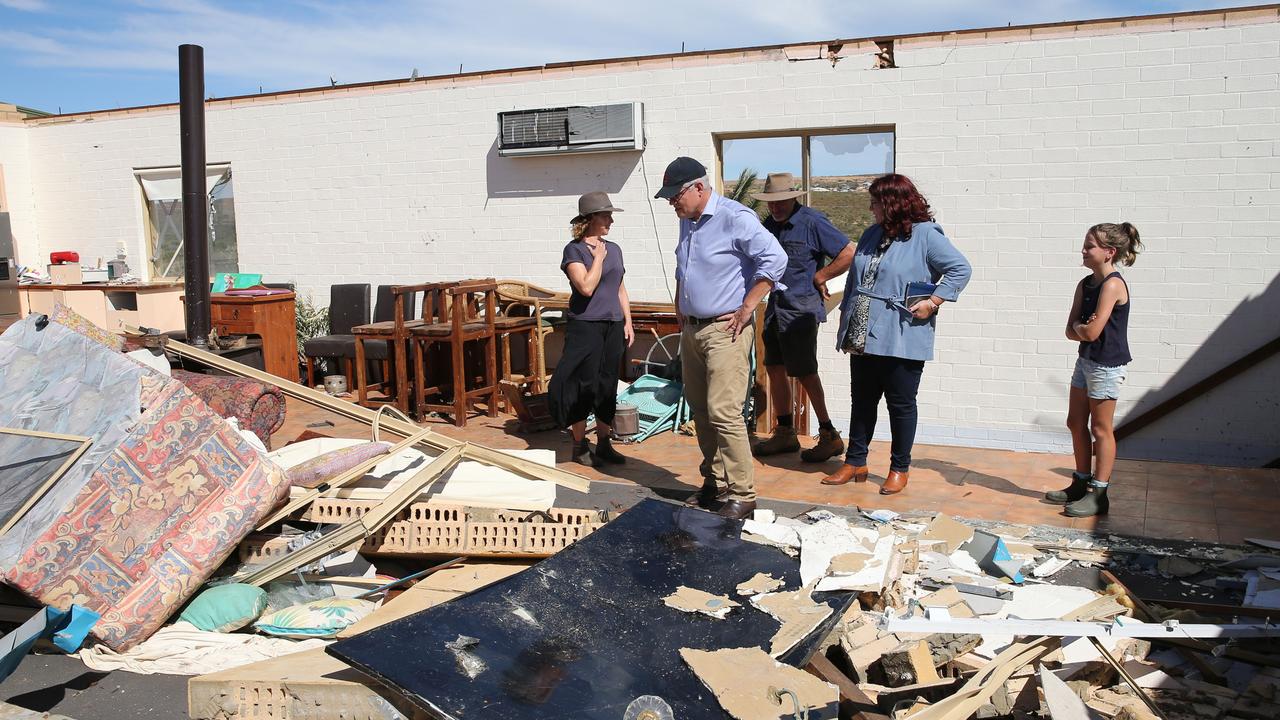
(599, 330)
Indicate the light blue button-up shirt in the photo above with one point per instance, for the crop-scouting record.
(926, 256)
(722, 254)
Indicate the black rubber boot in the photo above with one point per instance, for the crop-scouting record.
(582, 452)
(1078, 489)
(606, 454)
(1093, 503)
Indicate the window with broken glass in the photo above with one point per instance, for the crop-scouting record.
(835, 166)
(162, 202)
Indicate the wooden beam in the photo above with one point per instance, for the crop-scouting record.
(436, 441)
(857, 702)
(363, 526)
(1147, 417)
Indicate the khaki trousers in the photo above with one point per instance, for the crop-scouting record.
(716, 370)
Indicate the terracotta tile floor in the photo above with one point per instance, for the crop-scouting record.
(1152, 499)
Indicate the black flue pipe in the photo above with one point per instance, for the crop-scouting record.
(195, 210)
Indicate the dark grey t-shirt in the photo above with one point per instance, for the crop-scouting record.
(604, 303)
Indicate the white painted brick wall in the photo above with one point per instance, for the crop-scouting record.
(1019, 146)
(15, 158)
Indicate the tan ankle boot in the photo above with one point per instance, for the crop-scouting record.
(894, 483)
(846, 473)
(829, 445)
(783, 440)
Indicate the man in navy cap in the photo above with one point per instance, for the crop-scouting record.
(726, 262)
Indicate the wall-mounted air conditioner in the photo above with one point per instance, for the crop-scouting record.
(561, 131)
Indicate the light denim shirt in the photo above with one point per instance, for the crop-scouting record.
(720, 255)
(926, 256)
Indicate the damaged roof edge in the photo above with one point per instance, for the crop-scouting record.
(1154, 23)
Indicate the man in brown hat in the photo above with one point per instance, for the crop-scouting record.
(816, 252)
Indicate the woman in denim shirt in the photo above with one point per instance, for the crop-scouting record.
(887, 336)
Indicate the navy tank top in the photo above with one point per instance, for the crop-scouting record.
(1111, 349)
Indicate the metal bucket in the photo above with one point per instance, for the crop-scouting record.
(626, 420)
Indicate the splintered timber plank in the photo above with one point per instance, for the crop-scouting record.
(341, 481)
(363, 526)
(435, 441)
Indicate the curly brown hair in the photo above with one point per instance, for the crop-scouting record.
(1121, 237)
(901, 204)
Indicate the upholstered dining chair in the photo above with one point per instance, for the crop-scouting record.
(348, 307)
(376, 342)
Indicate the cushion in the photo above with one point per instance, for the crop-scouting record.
(225, 608)
(317, 470)
(318, 618)
(259, 407)
(339, 346)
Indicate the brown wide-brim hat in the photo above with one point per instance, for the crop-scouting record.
(592, 203)
(778, 186)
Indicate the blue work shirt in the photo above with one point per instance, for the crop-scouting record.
(809, 240)
(926, 256)
(720, 255)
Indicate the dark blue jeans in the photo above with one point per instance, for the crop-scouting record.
(895, 379)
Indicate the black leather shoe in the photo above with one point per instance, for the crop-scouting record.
(710, 497)
(737, 509)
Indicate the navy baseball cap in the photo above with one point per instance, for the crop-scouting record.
(680, 171)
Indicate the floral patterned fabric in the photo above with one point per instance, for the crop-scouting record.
(161, 512)
(316, 619)
(67, 317)
(259, 407)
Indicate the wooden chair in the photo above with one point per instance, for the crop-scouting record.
(519, 298)
(383, 341)
(472, 310)
(348, 307)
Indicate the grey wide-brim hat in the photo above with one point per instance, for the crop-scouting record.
(592, 203)
(778, 186)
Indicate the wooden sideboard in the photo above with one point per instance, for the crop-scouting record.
(271, 317)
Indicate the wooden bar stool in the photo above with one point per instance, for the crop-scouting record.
(472, 313)
(388, 333)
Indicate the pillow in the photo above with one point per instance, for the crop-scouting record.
(315, 619)
(313, 472)
(224, 608)
(67, 317)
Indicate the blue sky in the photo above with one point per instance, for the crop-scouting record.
(74, 56)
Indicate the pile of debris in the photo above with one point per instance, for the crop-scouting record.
(422, 576)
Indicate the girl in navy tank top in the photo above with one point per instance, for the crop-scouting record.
(1099, 321)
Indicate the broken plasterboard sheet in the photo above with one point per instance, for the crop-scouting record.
(849, 563)
(757, 584)
(764, 516)
(741, 679)
(1063, 702)
(1046, 602)
(825, 539)
(469, 483)
(870, 577)
(797, 612)
(438, 587)
(949, 532)
(1050, 566)
(777, 533)
(697, 601)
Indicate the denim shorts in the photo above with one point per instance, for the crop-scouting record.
(1099, 381)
